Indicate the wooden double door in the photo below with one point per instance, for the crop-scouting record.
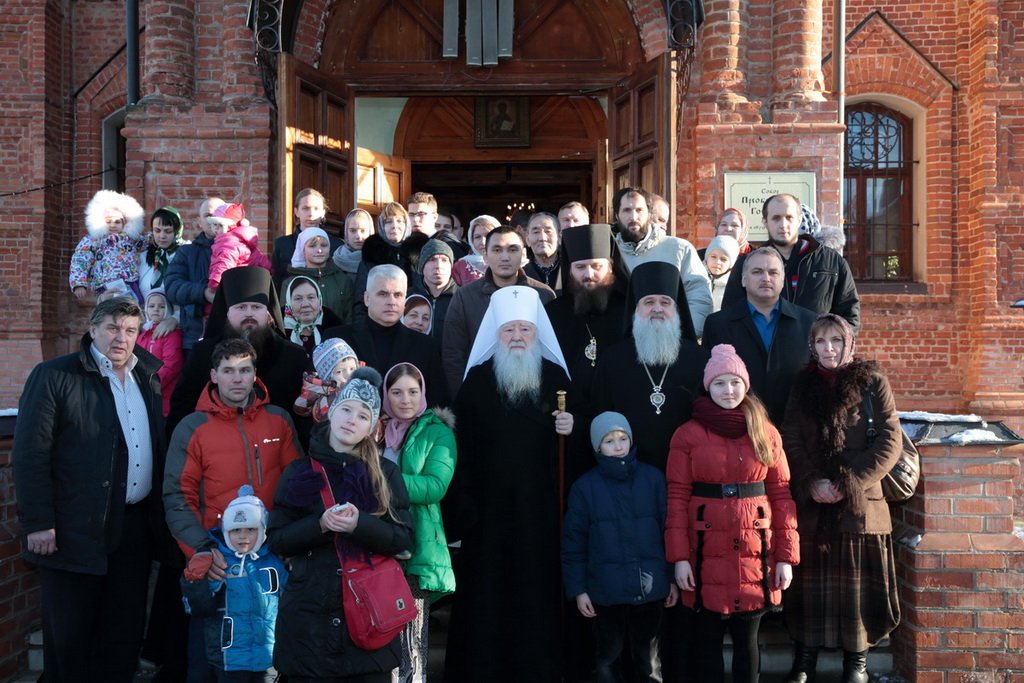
(576, 150)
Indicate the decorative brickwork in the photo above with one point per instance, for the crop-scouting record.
(758, 99)
(962, 587)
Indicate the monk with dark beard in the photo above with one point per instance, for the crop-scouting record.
(246, 306)
(588, 316)
(504, 499)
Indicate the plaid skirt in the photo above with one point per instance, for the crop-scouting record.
(845, 598)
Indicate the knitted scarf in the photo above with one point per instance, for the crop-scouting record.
(730, 423)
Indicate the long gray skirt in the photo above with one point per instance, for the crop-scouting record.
(845, 598)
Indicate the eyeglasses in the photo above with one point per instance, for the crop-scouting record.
(419, 214)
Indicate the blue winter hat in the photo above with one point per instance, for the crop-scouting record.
(605, 423)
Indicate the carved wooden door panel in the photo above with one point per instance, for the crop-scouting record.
(316, 126)
(641, 127)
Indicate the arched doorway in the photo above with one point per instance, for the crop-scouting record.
(600, 117)
(561, 140)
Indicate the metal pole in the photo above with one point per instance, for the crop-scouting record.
(839, 87)
(132, 49)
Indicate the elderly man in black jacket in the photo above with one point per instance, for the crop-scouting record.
(768, 332)
(88, 459)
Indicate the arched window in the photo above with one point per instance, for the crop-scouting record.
(878, 193)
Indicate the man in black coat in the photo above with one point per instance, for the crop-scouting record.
(769, 333)
(816, 277)
(382, 341)
(246, 306)
(88, 460)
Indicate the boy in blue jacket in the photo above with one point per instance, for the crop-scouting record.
(613, 553)
(240, 611)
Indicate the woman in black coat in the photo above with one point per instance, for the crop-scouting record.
(312, 638)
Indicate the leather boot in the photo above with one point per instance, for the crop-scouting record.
(855, 667)
(805, 661)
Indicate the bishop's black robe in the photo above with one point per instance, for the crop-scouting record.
(620, 384)
(574, 332)
(503, 504)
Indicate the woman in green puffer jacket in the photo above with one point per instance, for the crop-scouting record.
(421, 442)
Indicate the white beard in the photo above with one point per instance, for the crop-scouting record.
(518, 373)
(657, 341)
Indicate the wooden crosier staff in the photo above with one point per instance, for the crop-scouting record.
(561, 464)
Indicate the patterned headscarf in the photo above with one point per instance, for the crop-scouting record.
(291, 323)
(159, 257)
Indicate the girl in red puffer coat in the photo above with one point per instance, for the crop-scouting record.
(731, 528)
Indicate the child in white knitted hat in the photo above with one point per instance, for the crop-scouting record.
(239, 612)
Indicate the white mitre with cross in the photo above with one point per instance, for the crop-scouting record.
(514, 303)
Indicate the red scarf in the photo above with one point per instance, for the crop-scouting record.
(732, 423)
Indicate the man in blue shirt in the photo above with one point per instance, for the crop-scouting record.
(768, 332)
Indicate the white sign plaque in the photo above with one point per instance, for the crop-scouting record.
(747, 192)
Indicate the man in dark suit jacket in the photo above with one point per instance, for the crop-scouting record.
(769, 333)
(380, 340)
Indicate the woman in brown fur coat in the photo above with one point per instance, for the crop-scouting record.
(844, 591)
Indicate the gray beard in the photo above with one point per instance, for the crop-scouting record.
(657, 341)
(518, 374)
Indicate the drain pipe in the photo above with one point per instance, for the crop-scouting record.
(132, 49)
(839, 88)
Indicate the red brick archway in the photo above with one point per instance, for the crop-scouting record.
(650, 24)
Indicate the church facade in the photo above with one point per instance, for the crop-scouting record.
(917, 152)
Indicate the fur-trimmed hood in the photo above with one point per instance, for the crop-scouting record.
(832, 237)
(105, 201)
(445, 415)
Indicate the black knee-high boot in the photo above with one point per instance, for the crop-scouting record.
(805, 661)
(855, 667)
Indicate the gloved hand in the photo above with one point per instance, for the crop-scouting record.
(198, 566)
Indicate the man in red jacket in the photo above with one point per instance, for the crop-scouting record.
(235, 437)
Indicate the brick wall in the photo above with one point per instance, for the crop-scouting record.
(962, 587)
(203, 127)
(19, 587)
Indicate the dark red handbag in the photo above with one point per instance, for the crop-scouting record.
(374, 593)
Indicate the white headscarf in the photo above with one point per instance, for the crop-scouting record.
(299, 255)
(290, 321)
(515, 302)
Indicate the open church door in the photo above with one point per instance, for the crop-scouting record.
(641, 130)
(381, 178)
(316, 126)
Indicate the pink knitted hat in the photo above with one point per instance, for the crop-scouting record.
(724, 361)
